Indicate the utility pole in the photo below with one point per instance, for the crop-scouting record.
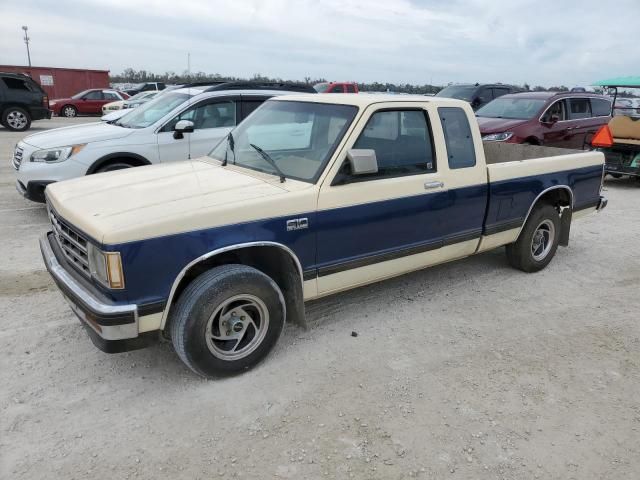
(26, 41)
(189, 64)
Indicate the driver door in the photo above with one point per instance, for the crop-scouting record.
(212, 119)
(92, 102)
(556, 134)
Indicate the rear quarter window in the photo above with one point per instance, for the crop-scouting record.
(16, 84)
(600, 107)
(457, 136)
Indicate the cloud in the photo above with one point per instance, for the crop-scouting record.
(402, 41)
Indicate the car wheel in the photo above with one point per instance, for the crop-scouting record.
(538, 240)
(114, 166)
(16, 119)
(227, 320)
(69, 111)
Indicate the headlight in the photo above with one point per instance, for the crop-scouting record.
(498, 137)
(106, 267)
(56, 154)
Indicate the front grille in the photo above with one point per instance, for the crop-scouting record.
(17, 157)
(73, 244)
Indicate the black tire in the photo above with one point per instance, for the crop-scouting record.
(226, 292)
(110, 167)
(522, 254)
(69, 111)
(16, 119)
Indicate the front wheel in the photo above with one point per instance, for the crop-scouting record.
(538, 240)
(227, 320)
(69, 111)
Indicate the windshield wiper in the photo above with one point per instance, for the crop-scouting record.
(270, 160)
(231, 144)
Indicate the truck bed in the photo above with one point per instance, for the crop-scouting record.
(518, 174)
(496, 152)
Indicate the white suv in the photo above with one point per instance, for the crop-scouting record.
(181, 124)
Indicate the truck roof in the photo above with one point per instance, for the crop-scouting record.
(366, 99)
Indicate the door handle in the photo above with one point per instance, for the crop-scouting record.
(432, 185)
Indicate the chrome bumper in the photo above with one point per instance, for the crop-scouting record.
(107, 321)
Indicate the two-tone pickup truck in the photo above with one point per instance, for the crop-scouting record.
(309, 196)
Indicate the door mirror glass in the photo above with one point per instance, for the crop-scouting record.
(182, 127)
(362, 161)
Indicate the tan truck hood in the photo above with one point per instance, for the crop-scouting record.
(152, 201)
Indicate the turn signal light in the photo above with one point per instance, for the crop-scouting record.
(602, 138)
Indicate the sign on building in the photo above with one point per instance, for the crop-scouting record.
(46, 80)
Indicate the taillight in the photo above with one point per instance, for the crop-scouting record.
(602, 138)
(45, 102)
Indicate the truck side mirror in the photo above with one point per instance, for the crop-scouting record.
(362, 161)
(182, 127)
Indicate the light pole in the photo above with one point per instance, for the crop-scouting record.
(26, 41)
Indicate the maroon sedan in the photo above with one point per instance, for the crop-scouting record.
(88, 102)
(567, 120)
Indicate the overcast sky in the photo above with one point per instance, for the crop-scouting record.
(542, 42)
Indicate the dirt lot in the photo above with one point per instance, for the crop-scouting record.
(468, 370)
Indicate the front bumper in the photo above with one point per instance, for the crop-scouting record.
(112, 328)
(602, 203)
(33, 191)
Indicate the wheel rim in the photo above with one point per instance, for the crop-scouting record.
(542, 240)
(17, 119)
(237, 327)
(69, 112)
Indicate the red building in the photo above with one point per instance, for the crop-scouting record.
(62, 82)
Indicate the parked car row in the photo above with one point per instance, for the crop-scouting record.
(180, 124)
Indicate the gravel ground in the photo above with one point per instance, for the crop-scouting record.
(469, 370)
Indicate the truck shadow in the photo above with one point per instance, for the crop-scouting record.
(338, 310)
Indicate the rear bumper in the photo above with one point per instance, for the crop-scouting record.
(40, 113)
(112, 328)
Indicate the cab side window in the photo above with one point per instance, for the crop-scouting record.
(209, 115)
(457, 136)
(579, 108)
(402, 141)
(556, 110)
(94, 95)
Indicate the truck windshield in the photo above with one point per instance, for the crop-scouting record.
(461, 92)
(299, 137)
(512, 108)
(152, 111)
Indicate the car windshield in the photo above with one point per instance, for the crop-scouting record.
(512, 108)
(461, 92)
(81, 94)
(152, 111)
(299, 137)
(140, 95)
(321, 87)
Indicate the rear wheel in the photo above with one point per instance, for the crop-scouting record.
(16, 119)
(538, 240)
(69, 111)
(227, 320)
